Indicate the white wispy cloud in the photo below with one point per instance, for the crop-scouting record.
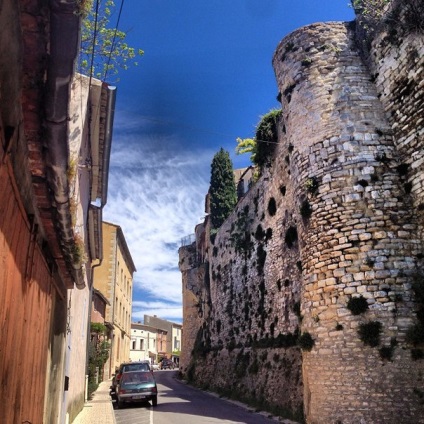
(156, 194)
(161, 309)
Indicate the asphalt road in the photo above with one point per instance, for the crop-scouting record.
(179, 403)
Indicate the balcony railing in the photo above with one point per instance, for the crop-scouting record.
(187, 240)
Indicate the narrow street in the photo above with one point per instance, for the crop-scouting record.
(179, 403)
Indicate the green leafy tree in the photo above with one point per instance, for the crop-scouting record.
(102, 42)
(246, 145)
(223, 194)
(267, 137)
(262, 146)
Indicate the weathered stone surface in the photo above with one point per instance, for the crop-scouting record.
(364, 237)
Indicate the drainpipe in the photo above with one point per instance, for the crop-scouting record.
(90, 302)
(112, 345)
(110, 112)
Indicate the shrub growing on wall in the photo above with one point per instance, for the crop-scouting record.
(267, 137)
(305, 209)
(98, 354)
(306, 342)
(357, 305)
(262, 146)
(370, 333)
(311, 185)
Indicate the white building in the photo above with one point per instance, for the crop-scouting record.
(172, 349)
(147, 343)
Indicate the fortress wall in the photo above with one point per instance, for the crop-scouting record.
(336, 217)
(255, 286)
(396, 62)
(361, 238)
(247, 341)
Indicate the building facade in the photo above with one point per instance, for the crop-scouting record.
(147, 343)
(91, 110)
(98, 307)
(48, 236)
(174, 331)
(114, 279)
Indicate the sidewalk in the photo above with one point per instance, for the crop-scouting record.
(99, 410)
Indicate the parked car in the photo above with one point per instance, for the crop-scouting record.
(127, 367)
(167, 364)
(136, 386)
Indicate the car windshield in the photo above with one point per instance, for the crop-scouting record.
(136, 367)
(136, 378)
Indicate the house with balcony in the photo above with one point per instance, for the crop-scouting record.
(54, 158)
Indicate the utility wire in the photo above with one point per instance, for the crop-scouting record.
(203, 130)
(94, 41)
(113, 40)
(146, 118)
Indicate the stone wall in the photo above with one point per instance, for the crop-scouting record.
(396, 65)
(361, 239)
(327, 245)
(246, 314)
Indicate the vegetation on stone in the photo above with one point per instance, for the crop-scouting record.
(263, 145)
(306, 342)
(357, 305)
(362, 241)
(370, 333)
(98, 354)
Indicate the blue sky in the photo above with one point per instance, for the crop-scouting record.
(204, 80)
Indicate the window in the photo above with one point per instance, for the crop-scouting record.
(176, 344)
(141, 344)
(134, 345)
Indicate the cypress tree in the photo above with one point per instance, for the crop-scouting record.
(223, 194)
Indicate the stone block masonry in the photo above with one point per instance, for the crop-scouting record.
(361, 239)
(327, 245)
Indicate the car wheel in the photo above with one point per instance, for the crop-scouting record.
(155, 401)
(120, 404)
